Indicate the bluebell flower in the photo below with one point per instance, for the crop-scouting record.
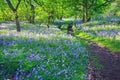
(28, 75)
(39, 77)
(7, 54)
(5, 51)
(62, 71)
(4, 42)
(76, 55)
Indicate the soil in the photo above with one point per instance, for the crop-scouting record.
(103, 64)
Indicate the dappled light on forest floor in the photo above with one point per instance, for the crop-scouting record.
(107, 36)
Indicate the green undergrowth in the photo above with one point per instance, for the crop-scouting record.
(110, 43)
(42, 54)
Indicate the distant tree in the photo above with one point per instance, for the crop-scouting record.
(62, 10)
(116, 8)
(55, 9)
(14, 9)
(48, 6)
(91, 7)
(30, 3)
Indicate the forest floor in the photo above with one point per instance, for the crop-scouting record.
(103, 64)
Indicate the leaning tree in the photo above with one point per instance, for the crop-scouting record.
(14, 10)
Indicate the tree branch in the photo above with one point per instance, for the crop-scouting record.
(17, 4)
(41, 5)
(38, 3)
(10, 5)
(104, 4)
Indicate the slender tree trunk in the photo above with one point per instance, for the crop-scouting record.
(89, 15)
(48, 25)
(84, 16)
(48, 22)
(32, 17)
(59, 26)
(14, 9)
(85, 11)
(17, 23)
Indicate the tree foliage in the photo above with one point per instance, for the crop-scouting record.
(50, 10)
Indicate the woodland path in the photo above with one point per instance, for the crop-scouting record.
(103, 63)
(108, 66)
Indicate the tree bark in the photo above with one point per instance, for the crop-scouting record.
(17, 22)
(14, 9)
(85, 11)
(32, 17)
(48, 25)
(48, 22)
(59, 26)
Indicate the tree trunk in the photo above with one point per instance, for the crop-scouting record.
(48, 25)
(48, 22)
(14, 9)
(17, 23)
(32, 17)
(60, 25)
(85, 11)
(33, 14)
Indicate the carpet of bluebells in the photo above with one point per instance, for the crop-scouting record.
(106, 33)
(41, 54)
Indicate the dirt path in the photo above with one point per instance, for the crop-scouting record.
(109, 64)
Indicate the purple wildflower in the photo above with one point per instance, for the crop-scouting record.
(63, 71)
(4, 43)
(28, 75)
(8, 54)
(39, 77)
(76, 55)
(5, 51)
(33, 69)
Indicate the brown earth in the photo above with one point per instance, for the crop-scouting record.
(103, 64)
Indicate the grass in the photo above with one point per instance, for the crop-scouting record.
(41, 54)
(106, 35)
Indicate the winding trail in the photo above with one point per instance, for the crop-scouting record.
(109, 61)
(103, 63)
